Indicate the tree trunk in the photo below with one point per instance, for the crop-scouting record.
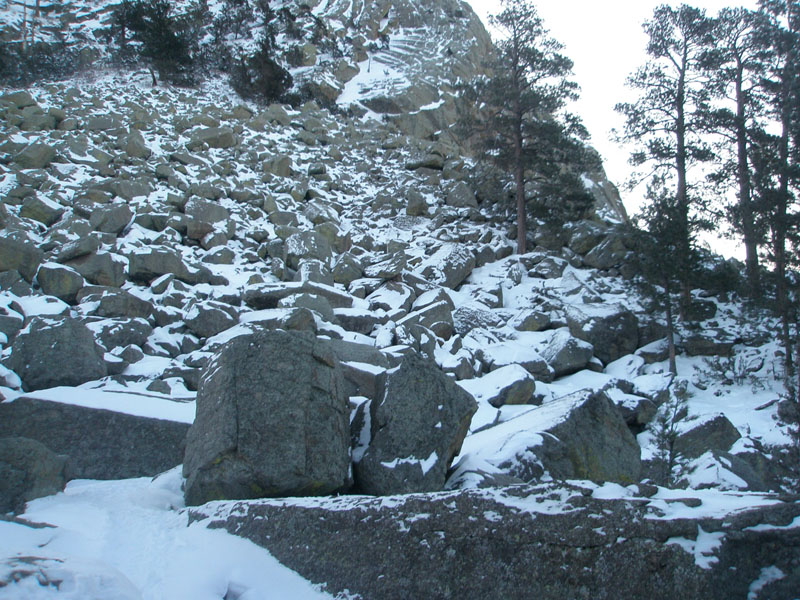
(780, 224)
(682, 194)
(746, 212)
(519, 164)
(673, 366)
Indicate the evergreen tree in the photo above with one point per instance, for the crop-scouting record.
(660, 260)
(521, 124)
(739, 61)
(777, 153)
(668, 120)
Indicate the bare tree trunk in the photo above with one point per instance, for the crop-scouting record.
(673, 366)
(24, 26)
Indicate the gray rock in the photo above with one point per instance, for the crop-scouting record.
(51, 353)
(307, 245)
(135, 146)
(388, 268)
(148, 264)
(609, 253)
(20, 99)
(461, 196)
(416, 205)
(449, 266)
(22, 256)
(346, 269)
(272, 420)
(695, 439)
(35, 156)
(207, 319)
(579, 436)
(115, 303)
(586, 236)
(206, 211)
(111, 219)
(100, 268)
(711, 342)
(28, 470)
(508, 385)
(121, 332)
(215, 137)
(611, 329)
(469, 317)
(100, 444)
(60, 281)
(514, 542)
(417, 429)
(47, 213)
(75, 249)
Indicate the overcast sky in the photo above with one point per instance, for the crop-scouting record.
(607, 43)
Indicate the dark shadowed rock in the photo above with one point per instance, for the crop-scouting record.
(49, 353)
(100, 444)
(697, 437)
(417, 430)
(28, 470)
(272, 420)
(22, 256)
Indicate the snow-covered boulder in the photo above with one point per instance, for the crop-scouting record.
(416, 430)
(508, 385)
(448, 266)
(272, 420)
(581, 435)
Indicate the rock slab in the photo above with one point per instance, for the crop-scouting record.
(99, 444)
(513, 543)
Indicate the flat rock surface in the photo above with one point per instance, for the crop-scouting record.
(513, 542)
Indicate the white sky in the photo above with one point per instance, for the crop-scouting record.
(606, 42)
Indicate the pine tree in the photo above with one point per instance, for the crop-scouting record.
(777, 155)
(521, 124)
(736, 70)
(668, 120)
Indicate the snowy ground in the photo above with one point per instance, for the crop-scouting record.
(129, 540)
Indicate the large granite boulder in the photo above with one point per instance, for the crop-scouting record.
(50, 353)
(416, 430)
(272, 420)
(101, 443)
(611, 328)
(28, 470)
